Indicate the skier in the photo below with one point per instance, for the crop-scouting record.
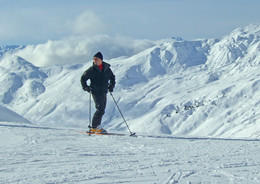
(102, 79)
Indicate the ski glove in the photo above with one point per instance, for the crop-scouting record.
(87, 88)
(111, 88)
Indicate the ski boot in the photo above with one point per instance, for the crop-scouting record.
(99, 129)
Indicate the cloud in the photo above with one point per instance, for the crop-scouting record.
(87, 23)
(80, 49)
(38, 25)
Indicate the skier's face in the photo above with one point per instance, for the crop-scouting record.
(97, 61)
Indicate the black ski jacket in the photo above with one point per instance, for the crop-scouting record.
(99, 80)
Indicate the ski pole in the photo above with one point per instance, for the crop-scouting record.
(131, 133)
(89, 126)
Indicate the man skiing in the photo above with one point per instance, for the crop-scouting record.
(102, 79)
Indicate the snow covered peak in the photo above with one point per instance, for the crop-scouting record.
(10, 49)
(241, 47)
(16, 63)
(166, 58)
(252, 29)
(247, 35)
(21, 80)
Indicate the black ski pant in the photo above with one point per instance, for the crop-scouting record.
(100, 100)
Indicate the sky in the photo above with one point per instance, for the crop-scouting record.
(33, 22)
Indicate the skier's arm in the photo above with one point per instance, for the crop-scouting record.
(86, 76)
(112, 79)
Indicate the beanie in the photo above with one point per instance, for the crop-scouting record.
(99, 55)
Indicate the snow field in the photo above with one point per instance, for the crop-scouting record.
(58, 155)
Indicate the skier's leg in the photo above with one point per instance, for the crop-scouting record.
(100, 104)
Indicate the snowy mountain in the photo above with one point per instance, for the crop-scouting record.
(10, 49)
(196, 88)
(240, 47)
(20, 77)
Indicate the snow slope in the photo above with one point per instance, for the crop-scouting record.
(195, 88)
(6, 115)
(55, 155)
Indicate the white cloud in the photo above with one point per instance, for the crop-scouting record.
(39, 25)
(87, 23)
(81, 49)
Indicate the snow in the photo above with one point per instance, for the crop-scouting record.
(57, 155)
(7, 115)
(193, 104)
(10, 49)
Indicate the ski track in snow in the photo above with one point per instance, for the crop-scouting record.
(33, 154)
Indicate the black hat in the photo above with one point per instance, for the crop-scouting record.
(99, 55)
